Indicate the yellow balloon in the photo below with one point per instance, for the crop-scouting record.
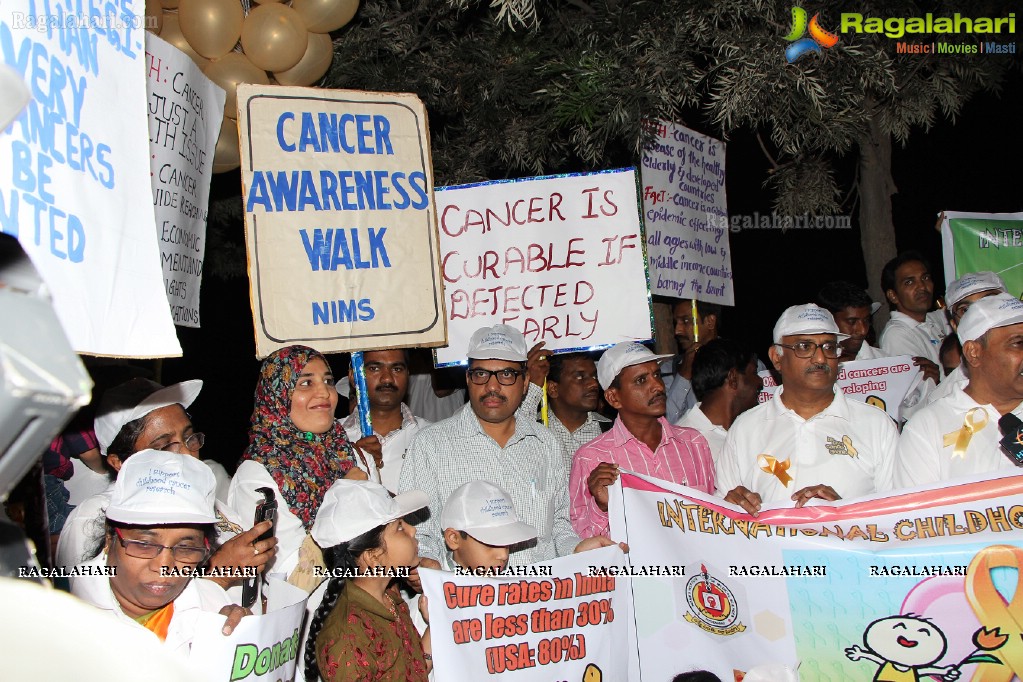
(154, 16)
(171, 32)
(324, 16)
(273, 37)
(226, 156)
(169, 4)
(314, 62)
(230, 70)
(212, 27)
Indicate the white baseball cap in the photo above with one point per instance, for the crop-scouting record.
(109, 422)
(999, 310)
(155, 488)
(350, 508)
(806, 319)
(485, 512)
(499, 342)
(622, 355)
(973, 283)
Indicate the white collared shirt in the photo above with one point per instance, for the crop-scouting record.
(924, 458)
(955, 378)
(819, 450)
(393, 445)
(905, 336)
(715, 435)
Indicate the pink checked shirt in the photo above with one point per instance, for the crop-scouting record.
(683, 456)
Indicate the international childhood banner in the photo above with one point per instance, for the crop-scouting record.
(339, 219)
(926, 581)
(973, 242)
(566, 621)
(74, 180)
(560, 258)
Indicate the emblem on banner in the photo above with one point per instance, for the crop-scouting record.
(712, 605)
(841, 447)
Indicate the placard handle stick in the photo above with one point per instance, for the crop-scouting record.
(696, 324)
(361, 394)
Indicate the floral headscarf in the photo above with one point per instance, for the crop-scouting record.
(302, 464)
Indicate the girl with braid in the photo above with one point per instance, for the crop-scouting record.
(362, 629)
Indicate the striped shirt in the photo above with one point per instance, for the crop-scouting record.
(530, 467)
(682, 456)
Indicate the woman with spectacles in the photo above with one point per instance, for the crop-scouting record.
(160, 531)
(297, 449)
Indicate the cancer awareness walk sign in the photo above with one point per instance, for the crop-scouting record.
(74, 172)
(973, 242)
(339, 219)
(922, 582)
(567, 621)
(560, 258)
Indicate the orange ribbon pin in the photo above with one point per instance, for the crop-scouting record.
(776, 468)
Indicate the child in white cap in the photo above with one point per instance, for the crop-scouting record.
(362, 629)
(159, 529)
(480, 525)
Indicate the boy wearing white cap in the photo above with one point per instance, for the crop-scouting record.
(480, 525)
(641, 439)
(159, 524)
(958, 435)
(809, 441)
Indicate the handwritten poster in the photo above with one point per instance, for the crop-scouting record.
(74, 180)
(686, 214)
(185, 111)
(559, 258)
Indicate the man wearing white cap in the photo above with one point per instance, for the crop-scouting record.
(959, 296)
(488, 441)
(641, 440)
(959, 434)
(810, 440)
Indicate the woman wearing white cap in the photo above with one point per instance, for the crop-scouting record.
(160, 526)
(362, 629)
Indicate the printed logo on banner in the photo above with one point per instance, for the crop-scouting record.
(712, 605)
(819, 36)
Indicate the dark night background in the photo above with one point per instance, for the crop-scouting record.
(972, 165)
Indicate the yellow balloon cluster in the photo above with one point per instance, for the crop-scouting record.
(281, 41)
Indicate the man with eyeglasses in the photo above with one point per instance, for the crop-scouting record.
(641, 440)
(959, 434)
(487, 440)
(959, 296)
(810, 441)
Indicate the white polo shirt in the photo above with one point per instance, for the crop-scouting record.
(923, 457)
(955, 378)
(715, 435)
(849, 446)
(393, 445)
(905, 336)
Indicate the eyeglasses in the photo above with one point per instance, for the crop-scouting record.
(505, 377)
(182, 554)
(807, 349)
(193, 443)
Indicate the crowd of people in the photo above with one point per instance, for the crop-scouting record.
(494, 485)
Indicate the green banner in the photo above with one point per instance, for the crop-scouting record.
(974, 242)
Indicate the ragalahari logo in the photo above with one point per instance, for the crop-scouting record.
(819, 36)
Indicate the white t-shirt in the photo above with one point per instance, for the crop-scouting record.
(393, 446)
(715, 435)
(923, 456)
(905, 336)
(849, 446)
(955, 378)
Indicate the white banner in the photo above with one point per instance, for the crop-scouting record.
(73, 183)
(262, 648)
(559, 258)
(185, 111)
(882, 383)
(569, 625)
(686, 215)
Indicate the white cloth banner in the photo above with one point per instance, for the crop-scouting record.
(185, 111)
(686, 215)
(882, 383)
(569, 625)
(262, 648)
(559, 258)
(73, 183)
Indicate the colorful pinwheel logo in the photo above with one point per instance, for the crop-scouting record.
(819, 36)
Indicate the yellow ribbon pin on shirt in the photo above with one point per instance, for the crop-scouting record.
(975, 420)
(776, 468)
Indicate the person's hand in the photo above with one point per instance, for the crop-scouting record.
(427, 649)
(685, 363)
(413, 580)
(596, 542)
(424, 610)
(234, 615)
(928, 369)
(538, 364)
(824, 492)
(745, 498)
(603, 475)
(357, 474)
(372, 445)
(243, 551)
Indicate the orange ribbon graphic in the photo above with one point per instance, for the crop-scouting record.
(971, 425)
(776, 468)
(994, 613)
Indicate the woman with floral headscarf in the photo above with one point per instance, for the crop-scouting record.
(297, 449)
